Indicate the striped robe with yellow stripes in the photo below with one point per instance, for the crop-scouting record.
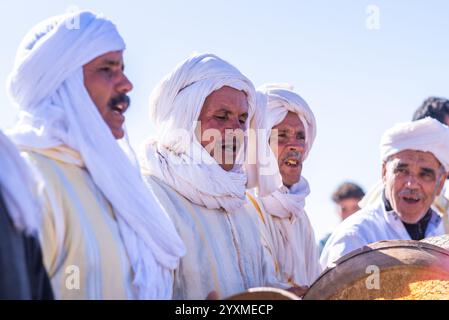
(82, 246)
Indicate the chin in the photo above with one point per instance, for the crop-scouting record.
(118, 135)
(227, 167)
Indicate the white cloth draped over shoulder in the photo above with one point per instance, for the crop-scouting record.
(296, 248)
(371, 224)
(175, 155)
(16, 188)
(47, 85)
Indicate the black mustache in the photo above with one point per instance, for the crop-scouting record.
(119, 99)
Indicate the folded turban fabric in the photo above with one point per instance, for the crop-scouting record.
(47, 84)
(427, 135)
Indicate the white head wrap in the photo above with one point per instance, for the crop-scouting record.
(426, 135)
(16, 183)
(47, 84)
(175, 155)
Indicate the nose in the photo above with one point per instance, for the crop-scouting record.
(295, 145)
(235, 124)
(124, 85)
(411, 181)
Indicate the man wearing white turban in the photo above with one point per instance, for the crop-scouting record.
(291, 131)
(194, 165)
(22, 276)
(104, 234)
(415, 163)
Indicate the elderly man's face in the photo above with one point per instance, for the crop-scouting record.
(108, 86)
(412, 180)
(223, 122)
(291, 138)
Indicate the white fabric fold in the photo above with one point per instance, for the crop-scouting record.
(288, 203)
(47, 85)
(16, 183)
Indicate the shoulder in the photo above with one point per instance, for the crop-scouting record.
(366, 218)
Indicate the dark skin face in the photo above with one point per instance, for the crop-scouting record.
(412, 180)
(291, 138)
(108, 87)
(223, 122)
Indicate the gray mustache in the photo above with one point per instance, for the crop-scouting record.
(293, 154)
(410, 192)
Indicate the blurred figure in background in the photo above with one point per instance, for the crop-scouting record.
(346, 197)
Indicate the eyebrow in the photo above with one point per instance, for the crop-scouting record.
(113, 63)
(402, 165)
(428, 170)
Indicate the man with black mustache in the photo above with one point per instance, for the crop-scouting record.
(104, 235)
(415, 164)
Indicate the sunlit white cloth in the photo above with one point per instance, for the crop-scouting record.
(16, 183)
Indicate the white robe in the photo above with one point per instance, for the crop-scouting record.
(226, 252)
(294, 245)
(371, 224)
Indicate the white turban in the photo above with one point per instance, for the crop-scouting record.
(47, 84)
(16, 183)
(426, 135)
(175, 155)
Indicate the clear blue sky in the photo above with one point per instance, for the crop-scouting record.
(358, 81)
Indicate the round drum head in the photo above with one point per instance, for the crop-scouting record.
(386, 270)
(264, 294)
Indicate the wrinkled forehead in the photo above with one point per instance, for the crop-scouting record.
(291, 121)
(415, 157)
(226, 99)
(110, 59)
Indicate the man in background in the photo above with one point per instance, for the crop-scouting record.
(347, 198)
